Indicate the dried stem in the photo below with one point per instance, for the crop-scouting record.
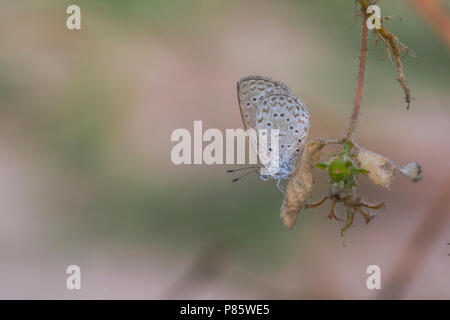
(393, 47)
(397, 48)
(373, 206)
(315, 204)
(361, 76)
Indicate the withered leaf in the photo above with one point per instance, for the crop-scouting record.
(299, 188)
(380, 169)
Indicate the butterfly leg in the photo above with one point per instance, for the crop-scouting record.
(279, 186)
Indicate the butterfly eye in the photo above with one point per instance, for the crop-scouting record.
(296, 150)
(254, 99)
(248, 103)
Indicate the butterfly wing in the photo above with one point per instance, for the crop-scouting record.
(251, 90)
(268, 104)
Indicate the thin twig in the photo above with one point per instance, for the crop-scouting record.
(397, 49)
(315, 204)
(361, 76)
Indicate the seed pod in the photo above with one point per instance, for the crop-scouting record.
(413, 171)
(299, 188)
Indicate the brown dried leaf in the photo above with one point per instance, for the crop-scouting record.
(381, 169)
(299, 188)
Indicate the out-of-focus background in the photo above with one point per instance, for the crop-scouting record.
(86, 176)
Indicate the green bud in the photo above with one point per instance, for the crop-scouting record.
(341, 170)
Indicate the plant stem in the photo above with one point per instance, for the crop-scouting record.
(361, 76)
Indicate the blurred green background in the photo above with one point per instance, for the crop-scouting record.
(86, 176)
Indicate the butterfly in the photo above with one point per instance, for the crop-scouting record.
(268, 104)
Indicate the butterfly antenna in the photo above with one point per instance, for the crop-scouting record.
(244, 175)
(243, 168)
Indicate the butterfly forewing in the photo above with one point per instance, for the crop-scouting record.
(251, 90)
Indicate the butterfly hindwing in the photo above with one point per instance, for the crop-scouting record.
(284, 113)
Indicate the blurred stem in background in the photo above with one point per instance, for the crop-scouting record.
(420, 245)
(437, 15)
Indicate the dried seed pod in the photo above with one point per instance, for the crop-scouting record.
(300, 186)
(381, 169)
(413, 171)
